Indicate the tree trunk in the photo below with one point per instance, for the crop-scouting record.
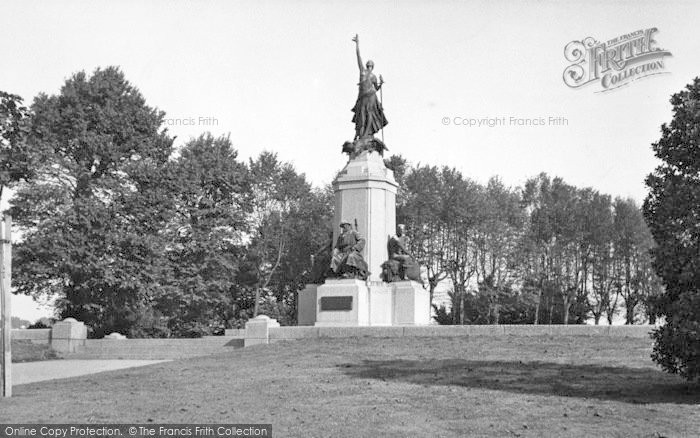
(629, 314)
(537, 307)
(257, 300)
(431, 288)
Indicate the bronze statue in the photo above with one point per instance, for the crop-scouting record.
(401, 264)
(369, 115)
(347, 260)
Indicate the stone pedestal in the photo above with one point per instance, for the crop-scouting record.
(411, 304)
(67, 335)
(342, 303)
(306, 305)
(365, 193)
(257, 330)
(365, 190)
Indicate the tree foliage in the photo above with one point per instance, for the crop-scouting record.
(672, 210)
(86, 217)
(17, 158)
(548, 252)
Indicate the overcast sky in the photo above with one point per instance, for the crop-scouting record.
(282, 76)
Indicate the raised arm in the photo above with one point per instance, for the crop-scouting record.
(357, 49)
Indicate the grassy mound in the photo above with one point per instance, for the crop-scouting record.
(447, 387)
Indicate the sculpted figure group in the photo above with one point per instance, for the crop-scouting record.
(402, 265)
(368, 111)
(343, 259)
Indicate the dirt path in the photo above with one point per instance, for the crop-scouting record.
(30, 372)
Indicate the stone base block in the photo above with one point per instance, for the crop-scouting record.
(342, 303)
(411, 304)
(67, 335)
(257, 330)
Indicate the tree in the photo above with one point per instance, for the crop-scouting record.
(18, 161)
(499, 229)
(206, 237)
(91, 216)
(672, 211)
(633, 243)
(423, 213)
(289, 222)
(460, 214)
(601, 255)
(553, 239)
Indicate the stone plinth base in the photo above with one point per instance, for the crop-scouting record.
(342, 303)
(348, 303)
(411, 304)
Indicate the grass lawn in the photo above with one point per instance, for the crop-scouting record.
(419, 387)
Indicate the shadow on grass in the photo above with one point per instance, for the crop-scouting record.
(630, 385)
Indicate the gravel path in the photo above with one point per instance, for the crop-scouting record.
(29, 372)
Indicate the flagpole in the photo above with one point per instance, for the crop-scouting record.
(381, 101)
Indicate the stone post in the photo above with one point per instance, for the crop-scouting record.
(67, 335)
(257, 330)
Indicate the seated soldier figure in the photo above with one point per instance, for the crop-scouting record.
(347, 261)
(402, 265)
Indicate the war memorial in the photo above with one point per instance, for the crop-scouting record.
(366, 275)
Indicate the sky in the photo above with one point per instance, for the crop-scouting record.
(282, 76)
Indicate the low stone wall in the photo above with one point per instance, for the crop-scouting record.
(37, 336)
(65, 336)
(289, 333)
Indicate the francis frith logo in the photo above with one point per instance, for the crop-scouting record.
(616, 62)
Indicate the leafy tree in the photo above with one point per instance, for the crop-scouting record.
(401, 167)
(290, 221)
(552, 241)
(206, 237)
(17, 159)
(499, 229)
(89, 223)
(442, 315)
(672, 211)
(633, 243)
(601, 254)
(460, 215)
(423, 213)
